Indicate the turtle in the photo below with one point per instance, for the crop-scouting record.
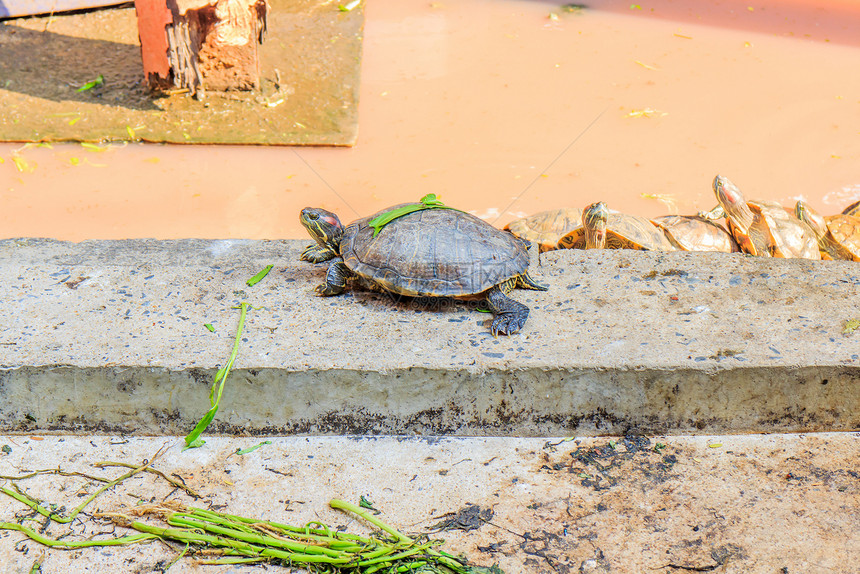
(694, 233)
(604, 230)
(546, 227)
(425, 253)
(838, 235)
(853, 209)
(762, 228)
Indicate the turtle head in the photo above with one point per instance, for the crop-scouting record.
(323, 226)
(811, 217)
(594, 221)
(732, 201)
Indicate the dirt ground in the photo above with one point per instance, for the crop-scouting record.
(738, 504)
(310, 69)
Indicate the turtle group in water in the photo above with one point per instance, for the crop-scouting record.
(424, 253)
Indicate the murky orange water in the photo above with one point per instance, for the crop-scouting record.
(503, 110)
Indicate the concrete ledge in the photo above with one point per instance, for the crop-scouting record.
(108, 336)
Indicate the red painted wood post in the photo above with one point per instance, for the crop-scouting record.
(153, 17)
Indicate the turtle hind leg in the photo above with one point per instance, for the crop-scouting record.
(335, 279)
(525, 281)
(509, 316)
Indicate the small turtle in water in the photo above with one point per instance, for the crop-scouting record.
(838, 235)
(604, 230)
(762, 228)
(426, 253)
(546, 227)
(694, 233)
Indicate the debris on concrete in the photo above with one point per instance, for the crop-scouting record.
(763, 503)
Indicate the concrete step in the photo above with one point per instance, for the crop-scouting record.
(109, 336)
(733, 504)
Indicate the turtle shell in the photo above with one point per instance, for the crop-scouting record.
(692, 233)
(845, 231)
(777, 233)
(546, 227)
(623, 231)
(433, 253)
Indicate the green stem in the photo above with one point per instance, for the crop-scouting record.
(70, 544)
(193, 438)
(343, 505)
(256, 538)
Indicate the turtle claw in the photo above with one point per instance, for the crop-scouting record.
(507, 323)
(327, 290)
(316, 254)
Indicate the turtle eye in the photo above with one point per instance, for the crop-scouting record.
(313, 216)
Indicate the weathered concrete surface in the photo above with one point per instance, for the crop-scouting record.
(109, 336)
(739, 504)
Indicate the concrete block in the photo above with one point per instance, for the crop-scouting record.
(109, 336)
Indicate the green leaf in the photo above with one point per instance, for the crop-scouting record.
(210, 327)
(429, 201)
(259, 276)
(92, 84)
(348, 7)
(253, 448)
(850, 326)
(364, 503)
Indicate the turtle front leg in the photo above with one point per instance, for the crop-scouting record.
(316, 253)
(335, 279)
(509, 315)
(713, 215)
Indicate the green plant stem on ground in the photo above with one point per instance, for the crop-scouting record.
(193, 439)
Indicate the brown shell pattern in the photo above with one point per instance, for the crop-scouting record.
(778, 233)
(547, 227)
(623, 231)
(845, 230)
(691, 233)
(433, 252)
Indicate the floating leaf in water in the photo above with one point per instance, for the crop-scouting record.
(573, 8)
(93, 147)
(21, 164)
(646, 66)
(646, 113)
(850, 326)
(92, 84)
(666, 199)
(74, 161)
(73, 121)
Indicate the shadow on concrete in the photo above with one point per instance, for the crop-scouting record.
(53, 66)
